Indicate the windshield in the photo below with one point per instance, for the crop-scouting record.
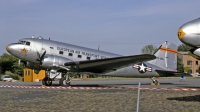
(25, 43)
(22, 42)
(7, 77)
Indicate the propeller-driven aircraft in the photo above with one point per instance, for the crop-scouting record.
(189, 34)
(58, 57)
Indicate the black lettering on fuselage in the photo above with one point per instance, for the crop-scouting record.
(81, 52)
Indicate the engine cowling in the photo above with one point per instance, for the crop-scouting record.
(195, 52)
(51, 61)
(34, 66)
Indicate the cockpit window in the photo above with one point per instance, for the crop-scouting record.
(25, 43)
(22, 42)
(28, 43)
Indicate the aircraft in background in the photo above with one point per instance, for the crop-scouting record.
(189, 34)
(62, 58)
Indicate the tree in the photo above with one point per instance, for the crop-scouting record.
(186, 69)
(184, 48)
(149, 49)
(180, 66)
(10, 63)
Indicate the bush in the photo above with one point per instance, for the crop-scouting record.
(14, 76)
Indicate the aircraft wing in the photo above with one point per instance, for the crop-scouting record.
(109, 64)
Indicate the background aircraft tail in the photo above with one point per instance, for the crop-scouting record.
(166, 57)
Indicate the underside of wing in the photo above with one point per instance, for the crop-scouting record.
(109, 64)
(171, 73)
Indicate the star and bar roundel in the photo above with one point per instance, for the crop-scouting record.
(142, 67)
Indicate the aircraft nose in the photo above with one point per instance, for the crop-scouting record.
(181, 33)
(11, 48)
(189, 33)
(8, 48)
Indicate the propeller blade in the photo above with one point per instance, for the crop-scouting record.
(42, 56)
(38, 55)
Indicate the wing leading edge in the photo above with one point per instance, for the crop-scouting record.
(109, 64)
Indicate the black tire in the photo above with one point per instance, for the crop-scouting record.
(47, 81)
(63, 82)
(43, 82)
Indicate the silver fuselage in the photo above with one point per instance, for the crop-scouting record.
(27, 49)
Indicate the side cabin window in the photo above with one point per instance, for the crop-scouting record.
(79, 56)
(51, 47)
(61, 52)
(70, 54)
(88, 58)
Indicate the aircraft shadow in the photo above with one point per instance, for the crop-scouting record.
(189, 87)
(107, 85)
(195, 98)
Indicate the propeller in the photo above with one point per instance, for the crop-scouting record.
(40, 57)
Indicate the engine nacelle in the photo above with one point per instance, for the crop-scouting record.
(34, 66)
(51, 61)
(195, 52)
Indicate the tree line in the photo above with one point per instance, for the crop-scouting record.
(9, 63)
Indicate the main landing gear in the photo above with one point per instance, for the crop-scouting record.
(65, 81)
(47, 81)
(155, 82)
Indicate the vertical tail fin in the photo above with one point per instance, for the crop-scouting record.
(166, 57)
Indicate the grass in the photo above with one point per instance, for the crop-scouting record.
(99, 101)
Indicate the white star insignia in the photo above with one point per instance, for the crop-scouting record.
(142, 68)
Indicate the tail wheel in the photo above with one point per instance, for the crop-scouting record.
(155, 82)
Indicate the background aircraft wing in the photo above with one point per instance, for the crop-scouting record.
(109, 64)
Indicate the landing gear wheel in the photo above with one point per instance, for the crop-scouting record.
(47, 81)
(155, 82)
(64, 82)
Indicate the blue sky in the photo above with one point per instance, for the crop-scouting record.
(118, 26)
